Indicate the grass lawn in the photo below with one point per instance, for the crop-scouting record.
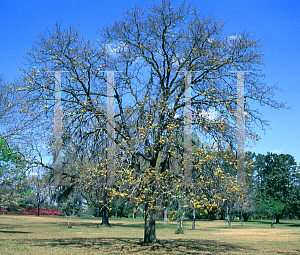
(50, 235)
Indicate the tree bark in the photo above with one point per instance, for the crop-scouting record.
(73, 209)
(194, 218)
(222, 214)
(98, 212)
(228, 216)
(38, 203)
(166, 209)
(105, 218)
(38, 212)
(150, 234)
(245, 216)
(117, 207)
(165, 215)
(105, 212)
(241, 217)
(277, 219)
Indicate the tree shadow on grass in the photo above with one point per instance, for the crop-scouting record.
(97, 224)
(64, 223)
(136, 246)
(75, 223)
(268, 222)
(113, 224)
(293, 225)
(15, 232)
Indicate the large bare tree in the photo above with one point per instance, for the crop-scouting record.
(154, 47)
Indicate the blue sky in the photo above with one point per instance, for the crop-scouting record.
(276, 22)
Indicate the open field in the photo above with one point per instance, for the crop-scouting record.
(50, 235)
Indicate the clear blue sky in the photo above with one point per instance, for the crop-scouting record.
(276, 22)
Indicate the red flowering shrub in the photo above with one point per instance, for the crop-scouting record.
(31, 211)
(5, 211)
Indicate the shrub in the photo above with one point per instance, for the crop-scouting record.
(30, 211)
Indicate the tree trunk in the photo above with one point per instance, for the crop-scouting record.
(105, 212)
(194, 218)
(222, 213)
(177, 219)
(38, 212)
(165, 215)
(229, 216)
(277, 219)
(241, 217)
(105, 216)
(98, 212)
(38, 204)
(117, 207)
(150, 234)
(246, 216)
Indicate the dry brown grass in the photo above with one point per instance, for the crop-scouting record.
(50, 235)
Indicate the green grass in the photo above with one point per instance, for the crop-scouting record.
(50, 235)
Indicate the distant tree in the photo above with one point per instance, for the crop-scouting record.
(276, 182)
(40, 187)
(246, 206)
(294, 201)
(12, 173)
(271, 207)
